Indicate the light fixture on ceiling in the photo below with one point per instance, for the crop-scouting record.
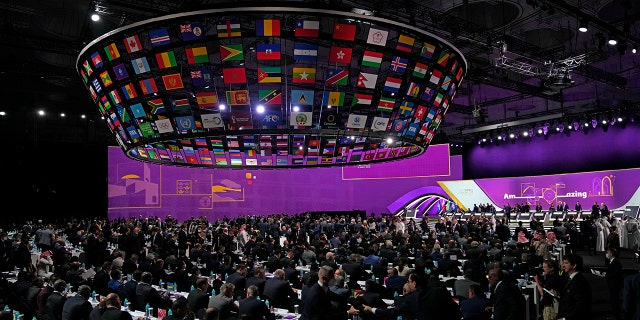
(634, 48)
(613, 40)
(95, 17)
(583, 25)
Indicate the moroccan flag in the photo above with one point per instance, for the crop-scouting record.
(268, 51)
(360, 98)
(405, 43)
(148, 86)
(234, 75)
(337, 77)
(420, 70)
(231, 52)
(228, 28)
(307, 28)
(268, 27)
(386, 104)
(112, 52)
(207, 99)
(304, 75)
(129, 91)
(269, 74)
(270, 96)
(371, 59)
(132, 44)
(344, 31)
(166, 59)
(367, 80)
(340, 54)
(197, 55)
(238, 97)
(333, 98)
(172, 81)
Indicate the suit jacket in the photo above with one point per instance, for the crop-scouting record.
(279, 293)
(254, 309)
(317, 303)
(258, 282)
(76, 308)
(631, 297)
(575, 302)
(474, 308)
(55, 302)
(355, 271)
(145, 293)
(614, 277)
(394, 284)
(197, 299)
(508, 304)
(111, 313)
(238, 280)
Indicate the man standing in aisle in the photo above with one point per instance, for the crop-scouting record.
(575, 300)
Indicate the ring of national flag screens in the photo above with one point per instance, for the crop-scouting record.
(170, 78)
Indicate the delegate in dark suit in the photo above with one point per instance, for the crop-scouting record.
(614, 283)
(254, 309)
(631, 297)
(474, 308)
(77, 307)
(509, 304)
(279, 291)
(575, 303)
(198, 300)
(317, 303)
(55, 301)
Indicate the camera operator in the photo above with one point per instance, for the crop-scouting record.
(549, 279)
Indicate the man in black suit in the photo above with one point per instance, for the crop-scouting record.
(420, 302)
(279, 291)
(239, 278)
(198, 298)
(250, 308)
(317, 300)
(575, 301)
(55, 301)
(109, 309)
(257, 280)
(354, 269)
(146, 294)
(78, 307)
(614, 281)
(393, 283)
(475, 307)
(508, 302)
(631, 297)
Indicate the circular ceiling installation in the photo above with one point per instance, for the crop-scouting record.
(271, 87)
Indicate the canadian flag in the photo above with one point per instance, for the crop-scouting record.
(132, 44)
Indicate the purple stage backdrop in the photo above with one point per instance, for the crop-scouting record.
(137, 188)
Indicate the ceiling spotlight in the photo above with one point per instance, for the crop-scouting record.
(222, 107)
(583, 26)
(260, 109)
(612, 40)
(634, 48)
(95, 17)
(525, 133)
(296, 109)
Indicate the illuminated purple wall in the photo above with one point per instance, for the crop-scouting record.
(570, 151)
(136, 188)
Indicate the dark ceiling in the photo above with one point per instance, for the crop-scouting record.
(518, 54)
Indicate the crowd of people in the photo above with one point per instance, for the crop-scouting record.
(240, 268)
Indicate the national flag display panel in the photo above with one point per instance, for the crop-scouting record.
(336, 72)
